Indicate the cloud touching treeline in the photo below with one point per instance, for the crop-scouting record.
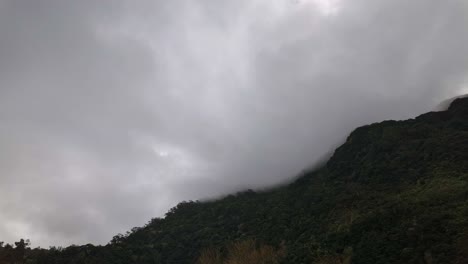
(113, 111)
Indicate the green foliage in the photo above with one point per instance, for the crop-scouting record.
(394, 192)
(243, 252)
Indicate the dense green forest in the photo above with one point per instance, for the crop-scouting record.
(394, 192)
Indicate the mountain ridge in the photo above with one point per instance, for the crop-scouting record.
(394, 192)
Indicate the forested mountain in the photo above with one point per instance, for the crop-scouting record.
(394, 192)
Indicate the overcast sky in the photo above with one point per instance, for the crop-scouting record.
(113, 111)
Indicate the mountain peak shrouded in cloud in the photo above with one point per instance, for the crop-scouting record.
(444, 105)
(111, 112)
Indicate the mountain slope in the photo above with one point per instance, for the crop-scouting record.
(394, 192)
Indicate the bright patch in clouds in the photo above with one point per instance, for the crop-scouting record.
(328, 7)
(464, 89)
(325, 7)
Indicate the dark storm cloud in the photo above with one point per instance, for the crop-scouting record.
(113, 111)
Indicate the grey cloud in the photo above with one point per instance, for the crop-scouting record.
(111, 112)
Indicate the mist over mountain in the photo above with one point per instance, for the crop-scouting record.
(114, 111)
(394, 192)
(444, 105)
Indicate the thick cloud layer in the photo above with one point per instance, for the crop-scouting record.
(113, 111)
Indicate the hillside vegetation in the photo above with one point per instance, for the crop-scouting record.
(394, 192)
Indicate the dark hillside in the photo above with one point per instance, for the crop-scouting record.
(394, 192)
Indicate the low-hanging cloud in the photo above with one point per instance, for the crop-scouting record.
(111, 112)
